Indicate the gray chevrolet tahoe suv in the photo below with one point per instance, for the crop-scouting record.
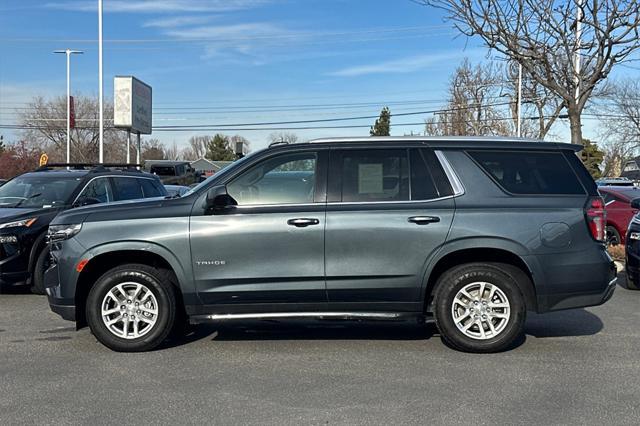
(470, 232)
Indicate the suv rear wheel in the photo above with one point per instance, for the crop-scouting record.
(132, 308)
(479, 308)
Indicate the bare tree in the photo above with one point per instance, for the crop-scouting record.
(542, 36)
(475, 106)
(46, 129)
(153, 149)
(620, 121)
(283, 137)
(197, 148)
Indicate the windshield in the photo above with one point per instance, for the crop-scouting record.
(38, 191)
(222, 173)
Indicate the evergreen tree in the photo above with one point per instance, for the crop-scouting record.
(219, 149)
(592, 157)
(382, 127)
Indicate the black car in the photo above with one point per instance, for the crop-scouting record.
(30, 201)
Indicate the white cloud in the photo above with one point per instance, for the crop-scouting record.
(178, 21)
(157, 6)
(397, 66)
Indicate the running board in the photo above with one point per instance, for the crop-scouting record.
(379, 316)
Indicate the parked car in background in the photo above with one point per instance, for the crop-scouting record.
(617, 200)
(30, 201)
(173, 172)
(176, 190)
(470, 232)
(632, 249)
(621, 181)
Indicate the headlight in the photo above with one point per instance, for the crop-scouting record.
(24, 222)
(62, 232)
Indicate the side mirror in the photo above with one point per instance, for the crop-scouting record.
(635, 203)
(219, 200)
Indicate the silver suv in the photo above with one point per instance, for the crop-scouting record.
(469, 232)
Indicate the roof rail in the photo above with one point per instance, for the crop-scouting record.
(278, 143)
(87, 166)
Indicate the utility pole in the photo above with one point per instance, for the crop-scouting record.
(69, 52)
(101, 85)
(578, 43)
(519, 105)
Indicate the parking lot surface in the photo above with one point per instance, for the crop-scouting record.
(574, 367)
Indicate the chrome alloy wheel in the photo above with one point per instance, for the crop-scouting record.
(481, 310)
(129, 310)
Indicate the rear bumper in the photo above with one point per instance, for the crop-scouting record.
(577, 280)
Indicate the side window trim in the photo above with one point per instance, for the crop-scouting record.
(454, 180)
(109, 188)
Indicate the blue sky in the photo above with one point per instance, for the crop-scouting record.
(230, 61)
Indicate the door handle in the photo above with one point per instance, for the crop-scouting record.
(302, 222)
(424, 220)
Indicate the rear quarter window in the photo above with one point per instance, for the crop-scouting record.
(530, 172)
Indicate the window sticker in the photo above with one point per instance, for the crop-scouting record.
(370, 179)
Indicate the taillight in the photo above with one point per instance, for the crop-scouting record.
(596, 217)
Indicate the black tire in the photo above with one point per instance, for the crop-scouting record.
(37, 275)
(613, 236)
(158, 282)
(455, 279)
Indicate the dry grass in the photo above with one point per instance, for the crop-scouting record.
(617, 252)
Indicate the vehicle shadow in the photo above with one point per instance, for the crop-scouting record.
(22, 289)
(574, 322)
(306, 330)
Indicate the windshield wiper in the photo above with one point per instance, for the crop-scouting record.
(28, 198)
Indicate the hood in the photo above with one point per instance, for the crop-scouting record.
(135, 209)
(7, 214)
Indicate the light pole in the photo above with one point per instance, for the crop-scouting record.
(69, 52)
(101, 85)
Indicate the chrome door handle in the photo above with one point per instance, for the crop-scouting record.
(424, 220)
(302, 222)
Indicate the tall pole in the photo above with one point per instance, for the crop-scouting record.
(68, 53)
(519, 106)
(578, 43)
(129, 146)
(100, 83)
(138, 159)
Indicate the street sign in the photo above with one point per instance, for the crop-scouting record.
(44, 159)
(132, 105)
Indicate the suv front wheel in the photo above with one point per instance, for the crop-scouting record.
(479, 308)
(132, 308)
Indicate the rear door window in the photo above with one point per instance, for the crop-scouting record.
(127, 188)
(375, 175)
(530, 172)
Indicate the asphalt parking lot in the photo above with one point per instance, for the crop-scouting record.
(574, 367)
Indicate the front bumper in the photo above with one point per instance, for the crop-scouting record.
(63, 306)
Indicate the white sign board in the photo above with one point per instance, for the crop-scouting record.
(132, 105)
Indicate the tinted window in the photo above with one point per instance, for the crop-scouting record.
(98, 189)
(375, 175)
(522, 172)
(286, 179)
(149, 189)
(127, 188)
(163, 170)
(422, 186)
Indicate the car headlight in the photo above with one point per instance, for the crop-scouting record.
(62, 232)
(24, 222)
